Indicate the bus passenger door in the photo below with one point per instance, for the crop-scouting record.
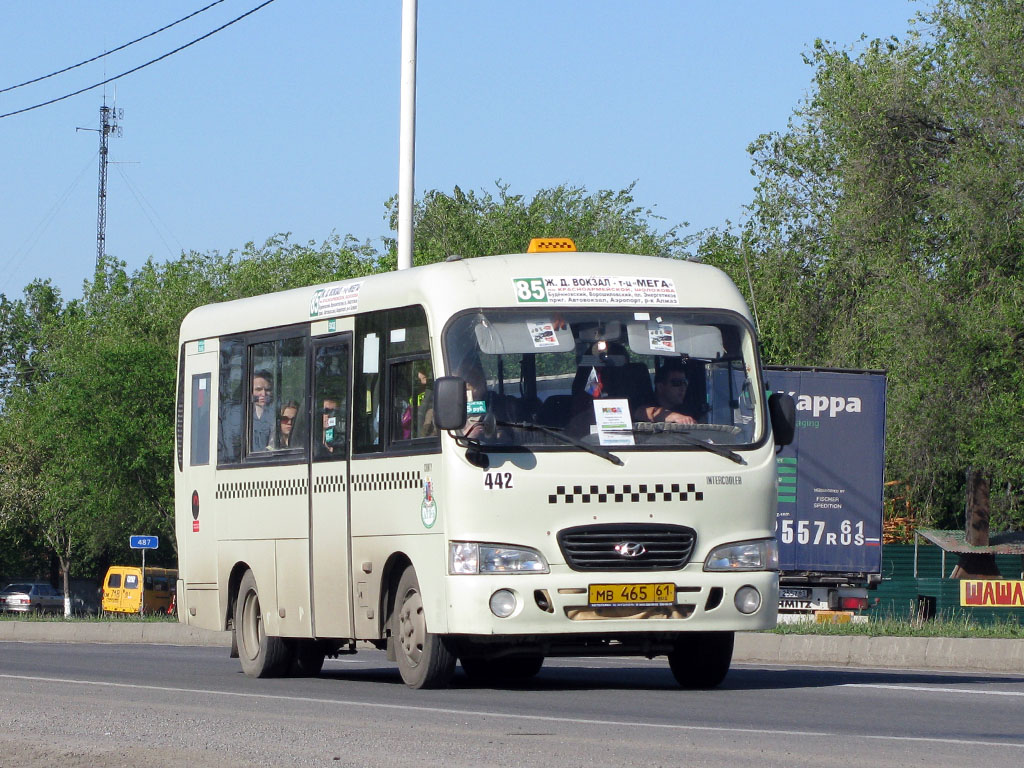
(330, 551)
(196, 520)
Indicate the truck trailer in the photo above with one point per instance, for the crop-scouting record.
(830, 492)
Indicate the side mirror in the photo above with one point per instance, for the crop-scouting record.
(782, 411)
(449, 402)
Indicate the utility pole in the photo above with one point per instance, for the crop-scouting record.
(407, 135)
(109, 117)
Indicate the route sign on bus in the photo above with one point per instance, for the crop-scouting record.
(144, 542)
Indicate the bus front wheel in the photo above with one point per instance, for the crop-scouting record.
(701, 659)
(425, 660)
(261, 655)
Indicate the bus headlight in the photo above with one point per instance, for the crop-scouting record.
(758, 555)
(474, 557)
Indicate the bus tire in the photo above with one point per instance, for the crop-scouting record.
(701, 659)
(261, 654)
(508, 670)
(425, 660)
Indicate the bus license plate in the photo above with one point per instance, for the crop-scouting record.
(632, 594)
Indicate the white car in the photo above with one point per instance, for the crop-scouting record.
(26, 596)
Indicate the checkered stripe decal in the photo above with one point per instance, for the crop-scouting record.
(251, 489)
(386, 481)
(329, 484)
(601, 494)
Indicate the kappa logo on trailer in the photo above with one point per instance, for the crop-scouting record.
(819, 404)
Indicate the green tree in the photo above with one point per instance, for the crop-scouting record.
(472, 224)
(886, 232)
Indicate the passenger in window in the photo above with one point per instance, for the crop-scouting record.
(424, 399)
(402, 419)
(332, 429)
(262, 412)
(285, 427)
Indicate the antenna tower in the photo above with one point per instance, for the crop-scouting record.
(109, 117)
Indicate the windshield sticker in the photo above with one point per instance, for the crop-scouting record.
(662, 338)
(476, 407)
(335, 300)
(614, 424)
(543, 334)
(596, 289)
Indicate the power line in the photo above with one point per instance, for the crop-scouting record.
(23, 251)
(145, 206)
(115, 50)
(141, 66)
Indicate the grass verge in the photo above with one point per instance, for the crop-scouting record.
(106, 618)
(947, 624)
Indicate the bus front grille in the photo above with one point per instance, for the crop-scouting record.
(623, 547)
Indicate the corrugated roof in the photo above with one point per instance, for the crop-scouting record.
(1007, 543)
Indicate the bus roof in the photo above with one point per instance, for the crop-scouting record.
(565, 279)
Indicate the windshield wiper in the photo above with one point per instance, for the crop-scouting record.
(685, 437)
(596, 450)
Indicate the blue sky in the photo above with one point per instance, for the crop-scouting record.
(288, 120)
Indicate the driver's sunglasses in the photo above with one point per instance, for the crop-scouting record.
(677, 382)
(287, 419)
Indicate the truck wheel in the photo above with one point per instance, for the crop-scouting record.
(425, 660)
(261, 655)
(701, 659)
(513, 670)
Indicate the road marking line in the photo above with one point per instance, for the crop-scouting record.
(931, 689)
(519, 716)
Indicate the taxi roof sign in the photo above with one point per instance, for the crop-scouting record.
(551, 244)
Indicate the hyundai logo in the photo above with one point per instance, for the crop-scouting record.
(630, 549)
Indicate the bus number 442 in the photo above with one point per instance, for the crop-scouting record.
(497, 481)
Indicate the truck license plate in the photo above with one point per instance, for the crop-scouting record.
(632, 594)
(794, 593)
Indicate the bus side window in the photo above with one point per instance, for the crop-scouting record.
(277, 383)
(388, 344)
(199, 453)
(330, 408)
(366, 395)
(412, 383)
(229, 411)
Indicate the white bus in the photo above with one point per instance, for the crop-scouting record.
(547, 495)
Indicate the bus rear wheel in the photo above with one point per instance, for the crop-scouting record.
(701, 659)
(425, 660)
(261, 655)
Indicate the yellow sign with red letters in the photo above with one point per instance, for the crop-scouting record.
(991, 593)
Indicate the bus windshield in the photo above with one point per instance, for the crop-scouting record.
(665, 378)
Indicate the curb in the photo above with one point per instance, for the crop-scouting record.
(954, 654)
(156, 633)
(939, 653)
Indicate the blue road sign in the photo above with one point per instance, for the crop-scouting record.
(144, 542)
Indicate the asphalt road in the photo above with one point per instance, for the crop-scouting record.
(149, 705)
